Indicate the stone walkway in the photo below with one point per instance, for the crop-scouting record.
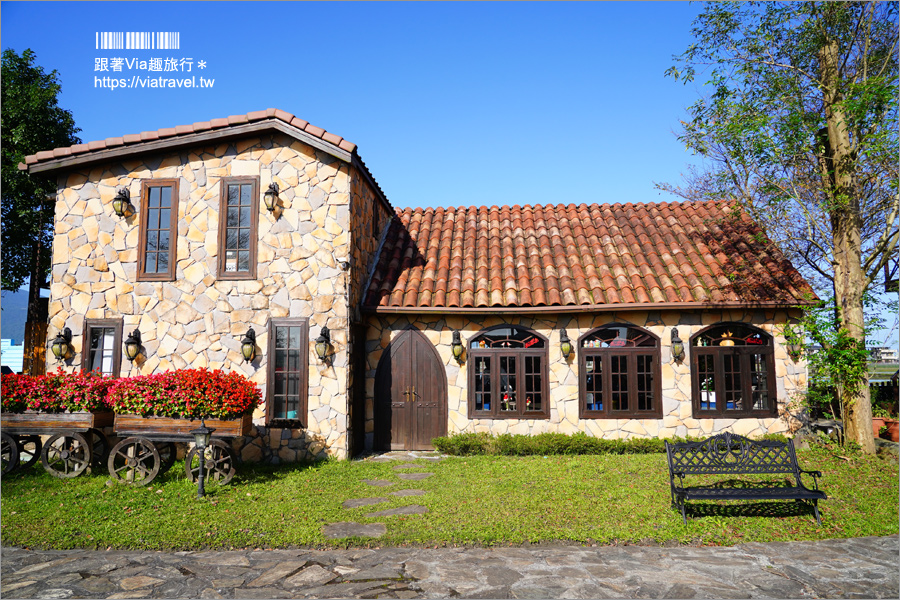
(854, 568)
(404, 472)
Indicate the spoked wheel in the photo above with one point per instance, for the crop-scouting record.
(99, 449)
(9, 453)
(218, 463)
(66, 455)
(167, 454)
(29, 450)
(134, 460)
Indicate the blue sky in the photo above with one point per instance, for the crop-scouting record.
(450, 104)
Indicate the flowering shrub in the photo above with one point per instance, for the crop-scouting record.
(189, 393)
(55, 393)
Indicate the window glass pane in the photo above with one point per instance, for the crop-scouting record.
(164, 216)
(246, 194)
(153, 192)
(278, 411)
(166, 196)
(287, 373)
(164, 240)
(759, 381)
(152, 218)
(230, 261)
(533, 383)
(295, 337)
(508, 383)
(231, 238)
(593, 367)
(619, 336)
(245, 217)
(281, 337)
(508, 337)
(243, 261)
(732, 382)
(644, 382)
(483, 383)
(152, 241)
(162, 262)
(618, 366)
(234, 192)
(107, 366)
(706, 375)
(150, 266)
(243, 239)
(731, 334)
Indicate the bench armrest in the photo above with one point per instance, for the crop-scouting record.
(815, 475)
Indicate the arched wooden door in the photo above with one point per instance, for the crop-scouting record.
(410, 394)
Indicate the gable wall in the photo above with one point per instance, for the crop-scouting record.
(196, 320)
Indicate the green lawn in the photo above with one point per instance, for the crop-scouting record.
(472, 500)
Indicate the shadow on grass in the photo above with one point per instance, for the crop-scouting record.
(776, 509)
(263, 473)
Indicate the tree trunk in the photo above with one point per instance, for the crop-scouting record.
(846, 226)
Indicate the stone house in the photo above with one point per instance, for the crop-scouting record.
(618, 320)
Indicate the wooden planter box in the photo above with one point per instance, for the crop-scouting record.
(44, 423)
(127, 425)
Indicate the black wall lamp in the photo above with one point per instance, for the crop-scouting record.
(457, 347)
(565, 344)
(121, 201)
(248, 346)
(61, 344)
(133, 345)
(677, 346)
(795, 349)
(271, 197)
(323, 344)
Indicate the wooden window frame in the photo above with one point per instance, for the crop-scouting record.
(605, 356)
(744, 353)
(223, 225)
(519, 354)
(90, 324)
(303, 407)
(169, 275)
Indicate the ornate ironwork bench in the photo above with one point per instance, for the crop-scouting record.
(730, 454)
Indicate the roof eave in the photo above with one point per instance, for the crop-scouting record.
(582, 308)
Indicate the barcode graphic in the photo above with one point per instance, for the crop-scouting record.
(138, 40)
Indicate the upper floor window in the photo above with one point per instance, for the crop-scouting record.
(732, 372)
(159, 228)
(238, 219)
(619, 375)
(288, 358)
(508, 374)
(102, 346)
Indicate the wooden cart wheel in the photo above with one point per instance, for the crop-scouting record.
(167, 455)
(29, 450)
(66, 455)
(9, 453)
(219, 465)
(99, 448)
(134, 460)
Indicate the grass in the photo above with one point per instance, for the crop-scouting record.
(486, 500)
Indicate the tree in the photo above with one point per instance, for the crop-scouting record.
(800, 127)
(31, 121)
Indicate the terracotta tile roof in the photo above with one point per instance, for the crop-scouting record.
(579, 256)
(170, 132)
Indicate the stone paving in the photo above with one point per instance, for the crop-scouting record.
(847, 568)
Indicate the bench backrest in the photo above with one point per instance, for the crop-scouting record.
(728, 453)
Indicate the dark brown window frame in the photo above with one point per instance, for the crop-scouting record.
(744, 352)
(169, 275)
(605, 354)
(520, 354)
(90, 324)
(223, 225)
(303, 408)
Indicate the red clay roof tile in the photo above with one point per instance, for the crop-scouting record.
(579, 256)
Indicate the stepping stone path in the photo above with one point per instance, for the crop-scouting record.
(352, 529)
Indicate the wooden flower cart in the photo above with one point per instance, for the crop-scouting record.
(76, 441)
(148, 449)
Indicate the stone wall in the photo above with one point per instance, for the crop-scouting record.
(197, 320)
(563, 375)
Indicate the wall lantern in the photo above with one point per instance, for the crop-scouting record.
(794, 348)
(271, 197)
(133, 345)
(677, 346)
(201, 440)
(323, 344)
(457, 347)
(565, 344)
(248, 345)
(62, 343)
(121, 201)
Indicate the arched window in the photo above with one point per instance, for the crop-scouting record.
(732, 372)
(619, 373)
(508, 374)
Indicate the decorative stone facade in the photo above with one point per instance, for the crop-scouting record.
(198, 320)
(563, 374)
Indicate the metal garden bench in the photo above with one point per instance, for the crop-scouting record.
(730, 454)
